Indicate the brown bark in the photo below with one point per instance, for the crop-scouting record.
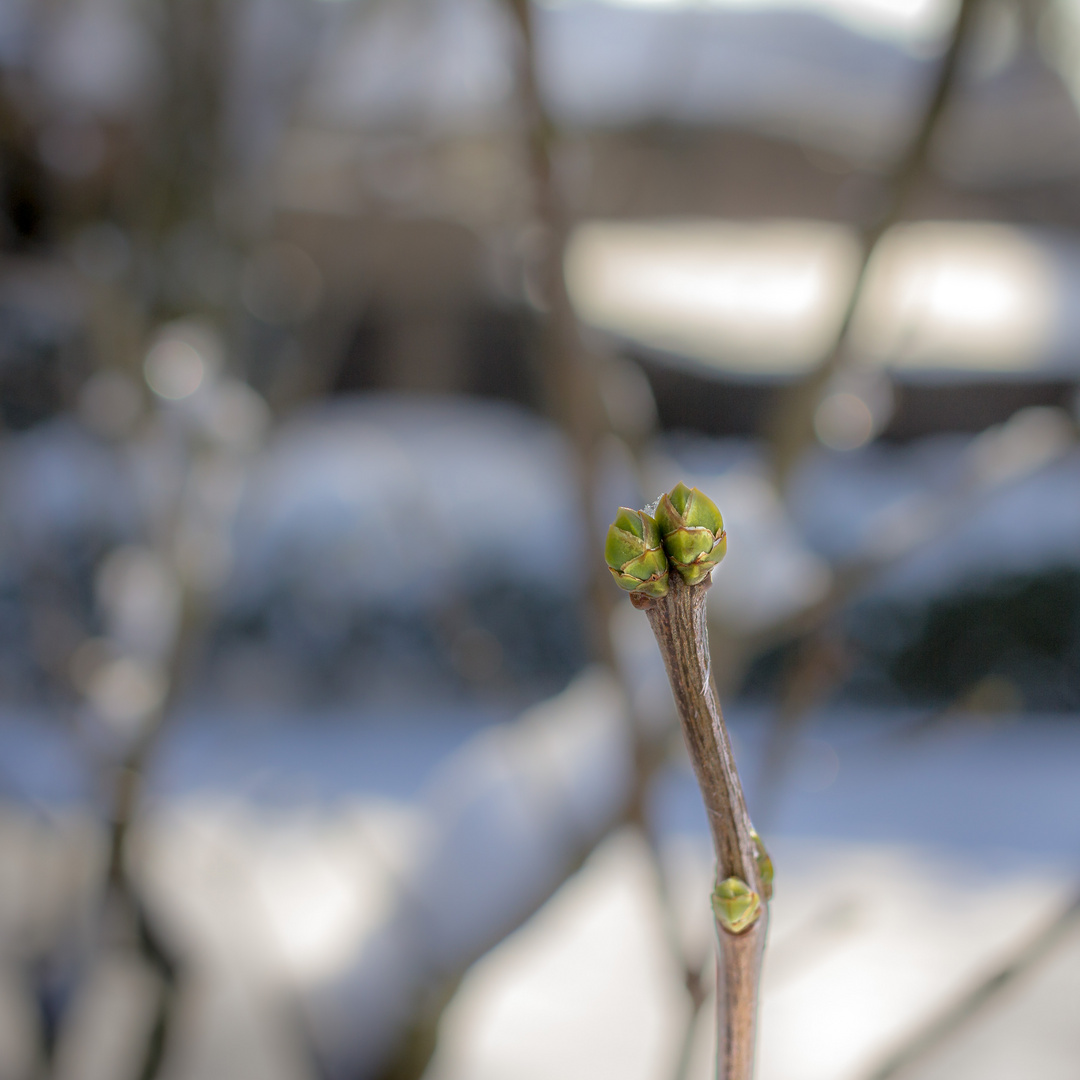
(679, 624)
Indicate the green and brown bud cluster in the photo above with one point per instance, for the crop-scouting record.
(686, 535)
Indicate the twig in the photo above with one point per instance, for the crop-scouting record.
(792, 426)
(821, 662)
(665, 564)
(157, 953)
(570, 384)
(679, 625)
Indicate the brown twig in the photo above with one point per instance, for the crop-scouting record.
(570, 384)
(679, 625)
(574, 397)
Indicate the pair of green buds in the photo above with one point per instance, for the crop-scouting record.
(687, 534)
(735, 905)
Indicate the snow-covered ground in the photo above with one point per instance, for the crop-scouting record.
(910, 861)
(867, 943)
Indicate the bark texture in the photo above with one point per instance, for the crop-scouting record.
(678, 622)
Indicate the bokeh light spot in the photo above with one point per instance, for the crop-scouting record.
(174, 369)
(844, 421)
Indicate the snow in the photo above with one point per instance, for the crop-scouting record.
(910, 860)
(926, 509)
(429, 491)
(57, 481)
(938, 515)
(506, 817)
(866, 944)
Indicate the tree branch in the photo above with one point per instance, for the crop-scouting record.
(792, 426)
(679, 625)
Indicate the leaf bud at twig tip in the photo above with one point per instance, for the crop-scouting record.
(764, 865)
(692, 531)
(735, 905)
(635, 555)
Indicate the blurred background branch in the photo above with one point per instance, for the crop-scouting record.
(792, 428)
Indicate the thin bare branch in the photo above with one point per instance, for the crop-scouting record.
(792, 425)
(679, 625)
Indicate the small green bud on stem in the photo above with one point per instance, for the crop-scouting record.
(735, 905)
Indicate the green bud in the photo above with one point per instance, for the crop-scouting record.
(735, 905)
(693, 532)
(635, 554)
(764, 865)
